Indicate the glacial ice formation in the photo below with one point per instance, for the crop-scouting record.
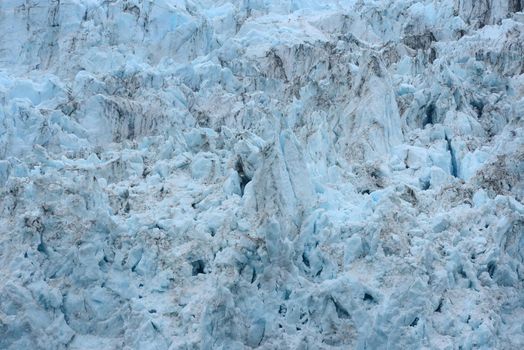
(272, 174)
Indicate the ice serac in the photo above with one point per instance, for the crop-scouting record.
(372, 122)
(485, 12)
(261, 174)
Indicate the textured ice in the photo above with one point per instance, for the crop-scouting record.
(287, 174)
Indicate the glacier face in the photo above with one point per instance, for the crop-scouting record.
(261, 174)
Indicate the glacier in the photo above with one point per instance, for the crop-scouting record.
(271, 174)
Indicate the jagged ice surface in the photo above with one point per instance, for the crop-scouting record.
(261, 174)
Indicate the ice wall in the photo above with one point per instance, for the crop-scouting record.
(261, 174)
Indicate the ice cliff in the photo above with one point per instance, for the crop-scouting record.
(297, 174)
